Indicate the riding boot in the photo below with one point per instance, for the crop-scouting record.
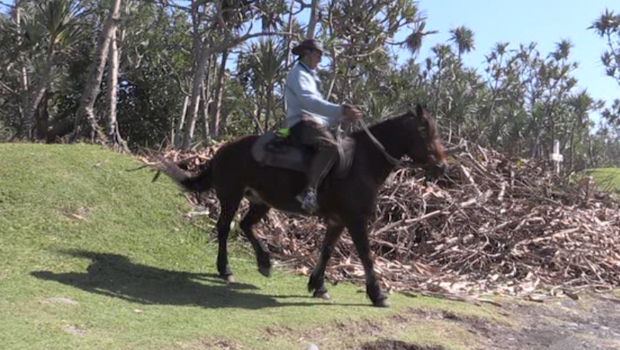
(319, 167)
(318, 138)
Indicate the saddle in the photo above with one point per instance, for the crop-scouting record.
(280, 151)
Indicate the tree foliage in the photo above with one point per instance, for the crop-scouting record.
(225, 62)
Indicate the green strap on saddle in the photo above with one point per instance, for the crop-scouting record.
(284, 132)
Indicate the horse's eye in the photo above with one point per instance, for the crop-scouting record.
(422, 130)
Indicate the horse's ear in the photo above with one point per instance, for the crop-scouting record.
(419, 111)
(420, 116)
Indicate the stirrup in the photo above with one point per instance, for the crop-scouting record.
(309, 201)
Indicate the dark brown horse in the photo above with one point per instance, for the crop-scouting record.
(344, 202)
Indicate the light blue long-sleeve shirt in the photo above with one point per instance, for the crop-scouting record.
(303, 96)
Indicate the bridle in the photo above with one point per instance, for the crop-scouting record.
(397, 163)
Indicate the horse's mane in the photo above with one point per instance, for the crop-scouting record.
(382, 123)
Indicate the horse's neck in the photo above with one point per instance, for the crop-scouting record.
(378, 166)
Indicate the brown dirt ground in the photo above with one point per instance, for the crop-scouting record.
(590, 323)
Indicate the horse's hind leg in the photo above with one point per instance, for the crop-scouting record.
(317, 278)
(254, 215)
(229, 207)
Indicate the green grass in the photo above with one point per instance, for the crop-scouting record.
(607, 179)
(75, 224)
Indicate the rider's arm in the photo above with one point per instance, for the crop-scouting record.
(310, 98)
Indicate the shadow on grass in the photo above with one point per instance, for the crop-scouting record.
(117, 276)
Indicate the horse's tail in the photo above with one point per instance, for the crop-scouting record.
(200, 182)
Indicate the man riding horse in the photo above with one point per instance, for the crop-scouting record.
(308, 116)
(347, 201)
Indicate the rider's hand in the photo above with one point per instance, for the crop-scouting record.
(351, 113)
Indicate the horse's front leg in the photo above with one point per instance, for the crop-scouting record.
(254, 215)
(359, 234)
(317, 277)
(228, 210)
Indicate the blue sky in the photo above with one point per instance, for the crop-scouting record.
(545, 22)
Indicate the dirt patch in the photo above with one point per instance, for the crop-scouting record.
(396, 345)
(384, 333)
(211, 345)
(61, 301)
(74, 330)
(592, 323)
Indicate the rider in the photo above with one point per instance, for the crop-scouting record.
(308, 116)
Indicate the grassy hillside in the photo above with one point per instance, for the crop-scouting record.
(606, 178)
(93, 256)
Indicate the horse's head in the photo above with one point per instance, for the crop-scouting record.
(426, 147)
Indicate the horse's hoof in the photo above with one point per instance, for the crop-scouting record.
(265, 271)
(381, 303)
(321, 295)
(228, 278)
(313, 284)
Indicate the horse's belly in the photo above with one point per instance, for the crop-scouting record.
(279, 202)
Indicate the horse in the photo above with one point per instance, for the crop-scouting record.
(347, 201)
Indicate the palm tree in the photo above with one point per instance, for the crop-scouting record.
(463, 37)
(414, 41)
(580, 105)
(443, 55)
(608, 27)
(267, 61)
(562, 50)
(56, 23)
(607, 24)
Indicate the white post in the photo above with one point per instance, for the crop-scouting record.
(556, 157)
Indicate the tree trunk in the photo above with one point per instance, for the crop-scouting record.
(536, 148)
(42, 118)
(571, 150)
(313, 19)
(59, 129)
(37, 96)
(206, 101)
(571, 158)
(219, 92)
(201, 68)
(228, 43)
(438, 88)
(268, 108)
(23, 77)
(113, 133)
(289, 38)
(178, 130)
(92, 87)
(334, 72)
(258, 129)
(207, 97)
(289, 29)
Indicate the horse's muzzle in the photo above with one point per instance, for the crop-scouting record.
(438, 170)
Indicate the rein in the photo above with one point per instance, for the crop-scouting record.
(397, 163)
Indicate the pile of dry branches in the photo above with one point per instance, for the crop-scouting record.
(498, 224)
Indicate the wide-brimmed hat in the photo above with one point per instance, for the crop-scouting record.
(308, 44)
